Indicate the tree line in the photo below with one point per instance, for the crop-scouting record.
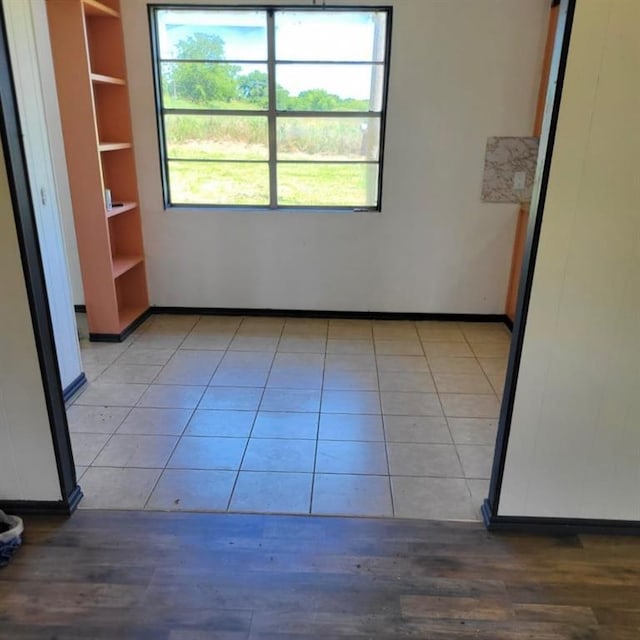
(220, 82)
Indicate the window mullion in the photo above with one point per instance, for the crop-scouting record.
(271, 72)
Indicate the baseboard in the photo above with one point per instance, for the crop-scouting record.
(316, 313)
(43, 507)
(69, 391)
(557, 526)
(123, 335)
(508, 322)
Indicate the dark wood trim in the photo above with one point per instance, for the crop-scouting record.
(123, 335)
(317, 313)
(557, 526)
(526, 282)
(43, 507)
(73, 388)
(27, 232)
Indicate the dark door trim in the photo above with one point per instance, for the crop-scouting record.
(492, 504)
(11, 138)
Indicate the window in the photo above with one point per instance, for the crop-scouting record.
(270, 107)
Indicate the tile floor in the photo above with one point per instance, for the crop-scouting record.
(287, 415)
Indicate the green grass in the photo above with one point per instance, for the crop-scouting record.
(248, 184)
(220, 138)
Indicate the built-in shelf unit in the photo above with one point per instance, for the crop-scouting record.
(91, 79)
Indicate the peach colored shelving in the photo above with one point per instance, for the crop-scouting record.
(116, 211)
(100, 78)
(91, 78)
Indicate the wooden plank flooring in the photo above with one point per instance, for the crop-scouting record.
(161, 576)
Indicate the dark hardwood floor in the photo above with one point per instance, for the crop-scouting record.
(161, 576)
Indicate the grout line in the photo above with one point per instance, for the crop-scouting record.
(384, 431)
(315, 453)
(264, 389)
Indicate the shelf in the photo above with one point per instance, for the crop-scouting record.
(99, 78)
(122, 264)
(95, 8)
(127, 315)
(113, 146)
(115, 211)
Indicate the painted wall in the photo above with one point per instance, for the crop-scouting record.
(26, 73)
(461, 71)
(27, 461)
(56, 143)
(574, 447)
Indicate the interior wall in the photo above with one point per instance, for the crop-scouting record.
(56, 143)
(27, 460)
(26, 74)
(461, 71)
(574, 445)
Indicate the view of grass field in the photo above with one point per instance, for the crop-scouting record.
(223, 159)
(231, 183)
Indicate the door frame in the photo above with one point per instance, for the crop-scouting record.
(12, 144)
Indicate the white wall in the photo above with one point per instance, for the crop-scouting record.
(56, 143)
(26, 74)
(574, 447)
(462, 70)
(27, 461)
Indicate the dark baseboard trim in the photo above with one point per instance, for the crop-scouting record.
(314, 313)
(508, 322)
(557, 526)
(80, 308)
(43, 507)
(119, 337)
(70, 390)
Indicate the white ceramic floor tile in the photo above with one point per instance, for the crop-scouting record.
(141, 373)
(86, 446)
(273, 424)
(113, 488)
(150, 421)
(432, 499)
(410, 404)
(228, 424)
(100, 419)
(278, 454)
(305, 400)
(192, 490)
(415, 459)
(468, 405)
(368, 458)
(476, 460)
(351, 380)
(231, 398)
(423, 429)
(272, 492)
(351, 426)
(334, 401)
(352, 495)
(208, 453)
(107, 394)
(473, 430)
(190, 368)
(146, 452)
(171, 396)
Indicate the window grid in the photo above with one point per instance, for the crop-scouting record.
(273, 115)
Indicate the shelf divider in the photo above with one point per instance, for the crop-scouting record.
(115, 211)
(122, 264)
(113, 146)
(95, 8)
(101, 78)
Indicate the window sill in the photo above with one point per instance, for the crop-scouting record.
(266, 211)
